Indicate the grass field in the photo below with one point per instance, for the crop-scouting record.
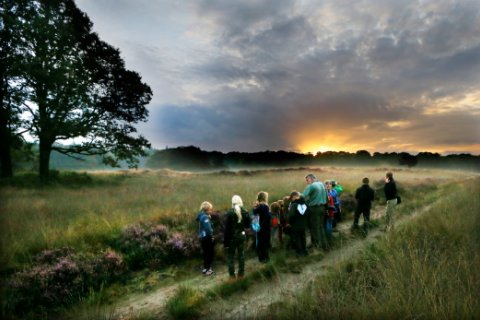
(425, 270)
(86, 211)
(86, 214)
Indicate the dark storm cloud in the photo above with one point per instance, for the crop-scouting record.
(259, 74)
(369, 76)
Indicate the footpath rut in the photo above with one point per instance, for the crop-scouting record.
(262, 294)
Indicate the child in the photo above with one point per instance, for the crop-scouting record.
(205, 233)
(275, 225)
(262, 210)
(236, 221)
(297, 219)
(331, 209)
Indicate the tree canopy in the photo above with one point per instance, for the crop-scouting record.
(75, 86)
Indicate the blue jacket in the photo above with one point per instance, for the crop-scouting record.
(204, 225)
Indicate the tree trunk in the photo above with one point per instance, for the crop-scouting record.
(6, 170)
(45, 150)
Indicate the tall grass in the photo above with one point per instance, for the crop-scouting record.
(87, 211)
(427, 269)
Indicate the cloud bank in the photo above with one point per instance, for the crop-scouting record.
(304, 75)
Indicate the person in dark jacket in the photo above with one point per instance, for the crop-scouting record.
(364, 196)
(205, 233)
(297, 219)
(390, 190)
(237, 221)
(262, 210)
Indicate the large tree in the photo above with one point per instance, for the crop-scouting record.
(12, 90)
(78, 89)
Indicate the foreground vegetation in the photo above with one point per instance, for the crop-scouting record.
(424, 270)
(98, 228)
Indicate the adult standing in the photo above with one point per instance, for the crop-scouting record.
(297, 219)
(364, 195)
(390, 190)
(205, 233)
(262, 210)
(315, 196)
(236, 221)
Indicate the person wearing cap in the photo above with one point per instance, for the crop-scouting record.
(364, 195)
(390, 189)
(315, 196)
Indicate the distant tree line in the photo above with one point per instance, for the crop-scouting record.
(193, 158)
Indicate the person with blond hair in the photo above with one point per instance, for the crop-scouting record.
(205, 233)
(261, 210)
(237, 221)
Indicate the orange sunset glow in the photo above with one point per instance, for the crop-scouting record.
(307, 76)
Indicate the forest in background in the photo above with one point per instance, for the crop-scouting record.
(193, 158)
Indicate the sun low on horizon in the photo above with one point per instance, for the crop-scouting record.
(304, 75)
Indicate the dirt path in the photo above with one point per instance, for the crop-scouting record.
(288, 285)
(261, 295)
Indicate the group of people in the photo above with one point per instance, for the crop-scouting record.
(316, 209)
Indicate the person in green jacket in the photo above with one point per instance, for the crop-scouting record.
(315, 196)
(237, 220)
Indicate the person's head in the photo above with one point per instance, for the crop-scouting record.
(365, 180)
(389, 176)
(206, 207)
(334, 183)
(310, 178)
(275, 207)
(237, 200)
(294, 195)
(328, 184)
(280, 202)
(237, 205)
(262, 196)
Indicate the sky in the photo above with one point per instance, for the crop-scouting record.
(305, 76)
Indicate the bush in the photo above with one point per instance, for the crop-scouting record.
(58, 277)
(153, 246)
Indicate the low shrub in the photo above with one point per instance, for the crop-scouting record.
(154, 246)
(58, 277)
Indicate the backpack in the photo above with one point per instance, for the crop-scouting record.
(275, 220)
(255, 224)
(339, 189)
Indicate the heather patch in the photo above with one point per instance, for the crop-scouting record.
(58, 277)
(154, 246)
